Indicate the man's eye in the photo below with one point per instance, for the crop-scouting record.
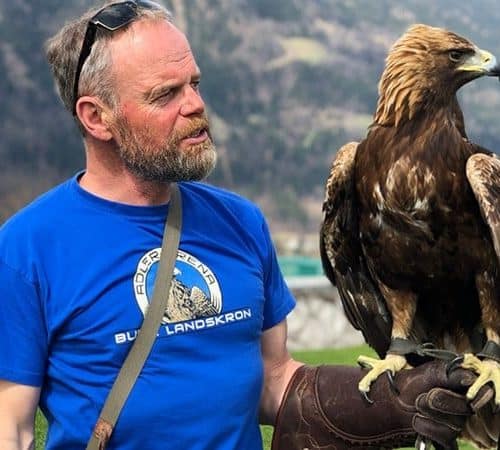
(196, 85)
(164, 96)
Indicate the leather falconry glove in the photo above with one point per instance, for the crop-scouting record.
(323, 409)
(483, 428)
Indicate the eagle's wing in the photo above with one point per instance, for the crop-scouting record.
(342, 256)
(483, 173)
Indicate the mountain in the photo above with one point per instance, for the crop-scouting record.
(286, 83)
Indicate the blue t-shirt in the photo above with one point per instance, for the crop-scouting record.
(76, 276)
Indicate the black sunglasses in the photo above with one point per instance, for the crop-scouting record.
(112, 17)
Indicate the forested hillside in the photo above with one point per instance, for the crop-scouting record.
(286, 82)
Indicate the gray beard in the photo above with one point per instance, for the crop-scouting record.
(171, 166)
(165, 162)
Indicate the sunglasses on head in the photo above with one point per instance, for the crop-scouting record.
(112, 17)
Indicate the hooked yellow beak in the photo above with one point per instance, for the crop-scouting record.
(482, 62)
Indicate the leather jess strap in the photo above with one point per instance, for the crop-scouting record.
(141, 347)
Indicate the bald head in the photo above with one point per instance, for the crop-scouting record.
(151, 56)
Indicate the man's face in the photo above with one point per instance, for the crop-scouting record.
(160, 128)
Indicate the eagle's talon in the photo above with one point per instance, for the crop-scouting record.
(366, 398)
(363, 365)
(392, 384)
(454, 364)
(391, 363)
(488, 371)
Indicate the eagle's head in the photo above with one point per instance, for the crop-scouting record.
(425, 68)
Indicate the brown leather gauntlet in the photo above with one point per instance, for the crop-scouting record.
(323, 409)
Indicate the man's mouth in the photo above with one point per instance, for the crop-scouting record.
(197, 136)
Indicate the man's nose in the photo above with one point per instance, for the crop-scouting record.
(192, 102)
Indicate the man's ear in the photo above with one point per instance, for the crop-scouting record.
(95, 117)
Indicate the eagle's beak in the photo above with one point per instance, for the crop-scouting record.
(482, 62)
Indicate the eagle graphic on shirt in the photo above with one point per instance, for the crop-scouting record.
(185, 303)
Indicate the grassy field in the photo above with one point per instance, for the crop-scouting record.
(336, 356)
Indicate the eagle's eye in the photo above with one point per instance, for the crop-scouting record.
(455, 55)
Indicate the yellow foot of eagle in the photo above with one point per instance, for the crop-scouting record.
(389, 365)
(488, 371)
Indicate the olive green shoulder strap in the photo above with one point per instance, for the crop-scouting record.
(142, 345)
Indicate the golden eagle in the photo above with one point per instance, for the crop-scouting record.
(411, 227)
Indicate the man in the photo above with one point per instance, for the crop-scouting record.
(77, 268)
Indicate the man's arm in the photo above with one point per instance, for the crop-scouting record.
(18, 404)
(278, 370)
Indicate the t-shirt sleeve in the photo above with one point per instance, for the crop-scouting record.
(279, 300)
(23, 344)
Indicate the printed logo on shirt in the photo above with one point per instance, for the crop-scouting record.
(194, 292)
(195, 300)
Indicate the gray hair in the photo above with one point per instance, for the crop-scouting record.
(96, 77)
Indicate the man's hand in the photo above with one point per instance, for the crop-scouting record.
(323, 409)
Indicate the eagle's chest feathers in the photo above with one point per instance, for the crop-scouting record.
(413, 192)
(409, 188)
(416, 200)
(405, 202)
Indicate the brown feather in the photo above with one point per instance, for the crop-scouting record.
(342, 257)
(408, 73)
(483, 173)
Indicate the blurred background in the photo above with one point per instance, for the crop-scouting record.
(286, 82)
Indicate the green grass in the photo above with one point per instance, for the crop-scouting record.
(329, 356)
(40, 431)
